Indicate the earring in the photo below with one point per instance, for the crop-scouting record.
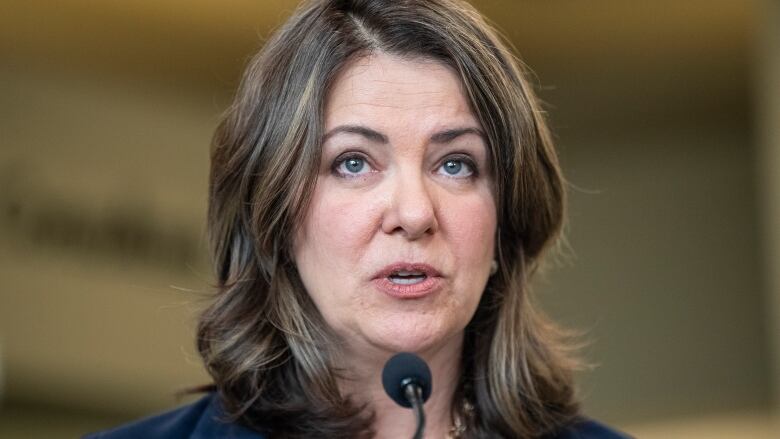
(493, 267)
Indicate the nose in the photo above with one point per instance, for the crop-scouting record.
(411, 209)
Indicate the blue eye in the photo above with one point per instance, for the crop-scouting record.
(452, 167)
(354, 165)
(351, 166)
(457, 168)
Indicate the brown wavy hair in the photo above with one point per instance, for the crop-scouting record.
(262, 339)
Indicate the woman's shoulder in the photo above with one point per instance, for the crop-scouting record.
(204, 419)
(199, 420)
(584, 428)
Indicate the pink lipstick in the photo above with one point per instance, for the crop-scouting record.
(408, 280)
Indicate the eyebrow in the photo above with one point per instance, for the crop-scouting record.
(445, 136)
(366, 132)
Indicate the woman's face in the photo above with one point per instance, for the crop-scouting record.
(397, 244)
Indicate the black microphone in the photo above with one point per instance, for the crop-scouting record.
(407, 381)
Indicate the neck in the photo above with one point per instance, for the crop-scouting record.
(392, 420)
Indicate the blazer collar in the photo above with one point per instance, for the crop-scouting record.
(212, 424)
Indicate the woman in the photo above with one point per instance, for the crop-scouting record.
(383, 182)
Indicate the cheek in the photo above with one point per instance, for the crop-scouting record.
(337, 230)
(472, 229)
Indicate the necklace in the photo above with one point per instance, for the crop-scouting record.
(457, 430)
(459, 426)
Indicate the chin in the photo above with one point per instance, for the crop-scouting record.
(412, 335)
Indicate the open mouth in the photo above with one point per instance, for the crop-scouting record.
(407, 277)
(408, 280)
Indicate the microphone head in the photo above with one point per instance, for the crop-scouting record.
(400, 370)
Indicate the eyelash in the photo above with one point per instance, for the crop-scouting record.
(340, 160)
(463, 158)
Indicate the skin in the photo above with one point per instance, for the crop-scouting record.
(411, 196)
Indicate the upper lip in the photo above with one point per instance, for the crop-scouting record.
(407, 266)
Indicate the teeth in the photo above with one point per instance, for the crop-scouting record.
(409, 273)
(403, 277)
(406, 280)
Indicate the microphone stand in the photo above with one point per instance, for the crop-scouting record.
(413, 394)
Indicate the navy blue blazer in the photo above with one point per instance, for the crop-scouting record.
(201, 420)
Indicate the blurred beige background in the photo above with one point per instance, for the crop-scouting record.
(667, 116)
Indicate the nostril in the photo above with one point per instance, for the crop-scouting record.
(410, 211)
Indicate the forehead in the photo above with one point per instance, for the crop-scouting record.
(386, 90)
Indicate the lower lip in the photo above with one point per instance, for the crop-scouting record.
(427, 286)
